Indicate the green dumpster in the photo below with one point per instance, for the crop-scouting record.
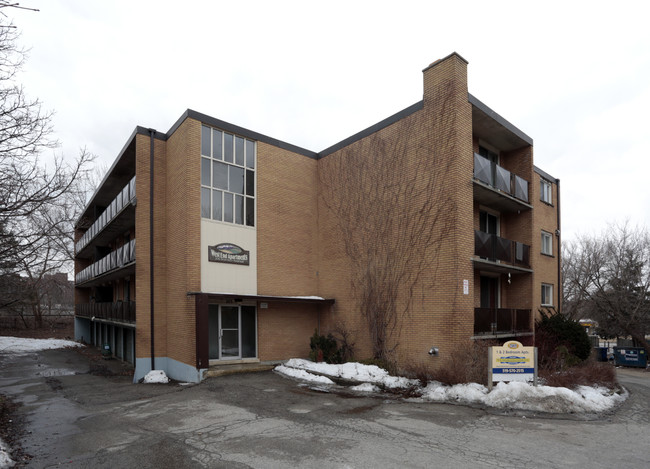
(630, 356)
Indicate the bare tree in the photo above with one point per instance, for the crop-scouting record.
(610, 280)
(574, 297)
(11, 4)
(388, 197)
(38, 197)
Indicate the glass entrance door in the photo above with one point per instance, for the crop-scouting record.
(232, 332)
(229, 333)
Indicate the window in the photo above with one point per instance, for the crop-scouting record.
(547, 294)
(546, 189)
(489, 154)
(547, 243)
(227, 177)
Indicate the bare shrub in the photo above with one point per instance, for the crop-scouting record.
(420, 371)
(588, 373)
(344, 337)
(467, 364)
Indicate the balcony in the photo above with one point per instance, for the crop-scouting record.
(502, 321)
(123, 202)
(123, 256)
(121, 311)
(498, 187)
(496, 254)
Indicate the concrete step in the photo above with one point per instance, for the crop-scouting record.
(223, 370)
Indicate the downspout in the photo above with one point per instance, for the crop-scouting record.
(558, 233)
(151, 275)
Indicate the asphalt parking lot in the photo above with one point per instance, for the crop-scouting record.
(80, 412)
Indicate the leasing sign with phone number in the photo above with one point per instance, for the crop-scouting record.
(513, 362)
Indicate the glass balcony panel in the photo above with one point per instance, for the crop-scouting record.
(521, 188)
(522, 320)
(483, 245)
(502, 181)
(123, 311)
(501, 320)
(483, 169)
(505, 321)
(483, 320)
(495, 248)
(503, 249)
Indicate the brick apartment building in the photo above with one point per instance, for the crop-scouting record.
(241, 252)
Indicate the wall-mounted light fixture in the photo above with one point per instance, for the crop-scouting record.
(434, 351)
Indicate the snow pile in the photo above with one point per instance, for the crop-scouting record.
(514, 395)
(21, 345)
(156, 376)
(303, 375)
(524, 396)
(5, 460)
(352, 371)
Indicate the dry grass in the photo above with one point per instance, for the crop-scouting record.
(588, 373)
(467, 364)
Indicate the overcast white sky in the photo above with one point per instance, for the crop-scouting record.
(573, 75)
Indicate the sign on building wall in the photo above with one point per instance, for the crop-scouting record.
(228, 253)
(512, 362)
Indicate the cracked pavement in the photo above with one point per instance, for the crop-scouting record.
(77, 418)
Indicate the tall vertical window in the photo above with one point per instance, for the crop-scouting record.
(547, 243)
(546, 189)
(227, 177)
(547, 294)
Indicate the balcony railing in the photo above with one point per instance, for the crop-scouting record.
(115, 260)
(123, 199)
(495, 248)
(500, 178)
(123, 311)
(501, 321)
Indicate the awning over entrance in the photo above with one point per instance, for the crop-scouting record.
(234, 297)
(228, 322)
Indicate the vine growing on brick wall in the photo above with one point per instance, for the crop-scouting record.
(391, 201)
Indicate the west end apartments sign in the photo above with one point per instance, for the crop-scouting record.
(228, 253)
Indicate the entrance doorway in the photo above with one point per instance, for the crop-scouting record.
(232, 332)
(489, 292)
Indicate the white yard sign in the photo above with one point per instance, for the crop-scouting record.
(512, 362)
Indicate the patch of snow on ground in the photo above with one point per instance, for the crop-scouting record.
(514, 395)
(5, 460)
(365, 387)
(303, 375)
(354, 371)
(156, 376)
(21, 345)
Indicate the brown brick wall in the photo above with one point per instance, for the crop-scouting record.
(440, 314)
(546, 267)
(183, 241)
(286, 222)
(284, 330)
(142, 297)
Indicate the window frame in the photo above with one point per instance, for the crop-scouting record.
(242, 193)
(549, 237)
(547, 294)
(546, 191)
